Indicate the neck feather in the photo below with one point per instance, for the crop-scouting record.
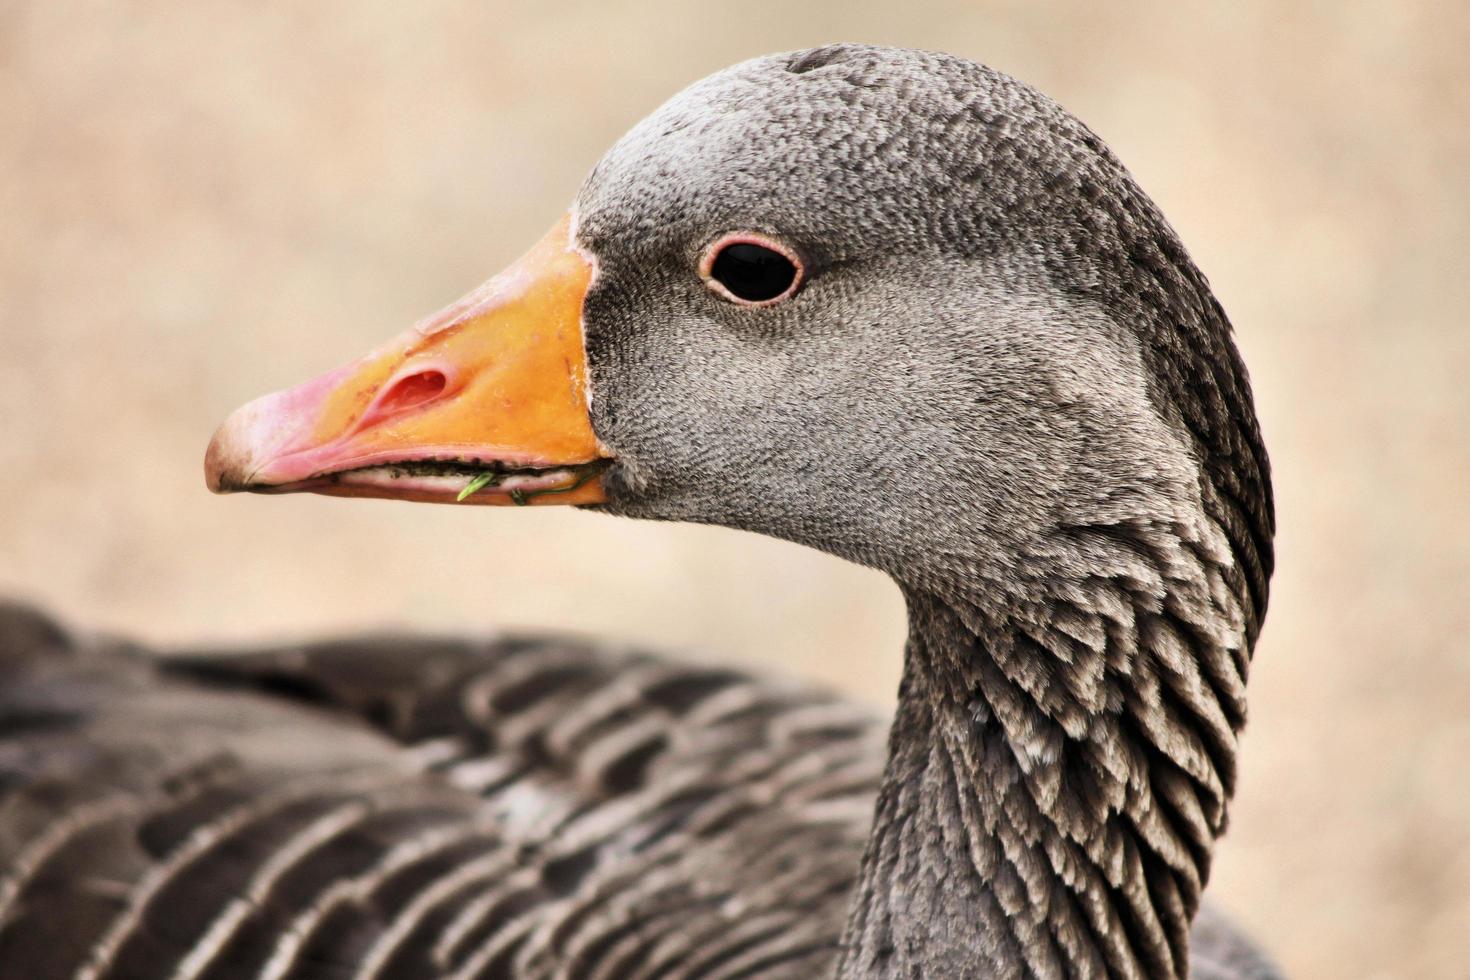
(1059, 769)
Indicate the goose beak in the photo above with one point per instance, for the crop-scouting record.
(485, 402)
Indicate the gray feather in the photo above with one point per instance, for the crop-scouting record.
(428, 805)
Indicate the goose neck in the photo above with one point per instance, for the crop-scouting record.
(1048, 806)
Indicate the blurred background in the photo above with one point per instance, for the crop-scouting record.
(204, 201)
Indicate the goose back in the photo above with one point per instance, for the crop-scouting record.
(406, 806)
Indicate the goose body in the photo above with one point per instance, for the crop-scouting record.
(886, 303)
(412, 807)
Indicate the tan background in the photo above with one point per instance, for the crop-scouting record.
(202, 201)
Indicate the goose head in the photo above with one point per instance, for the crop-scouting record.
(885, 303)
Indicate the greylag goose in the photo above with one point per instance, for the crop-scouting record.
(885, 303)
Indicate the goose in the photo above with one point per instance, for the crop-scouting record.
(886, 303)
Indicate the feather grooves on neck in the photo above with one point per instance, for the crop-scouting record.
(1059, 768)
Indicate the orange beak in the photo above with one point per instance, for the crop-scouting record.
(485, 402)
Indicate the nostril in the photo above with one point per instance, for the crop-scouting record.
(411, 391)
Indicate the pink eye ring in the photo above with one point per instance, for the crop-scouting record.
(751, 269)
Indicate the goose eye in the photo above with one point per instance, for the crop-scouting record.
(751, 272)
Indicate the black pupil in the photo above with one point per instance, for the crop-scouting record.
(753, 272)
